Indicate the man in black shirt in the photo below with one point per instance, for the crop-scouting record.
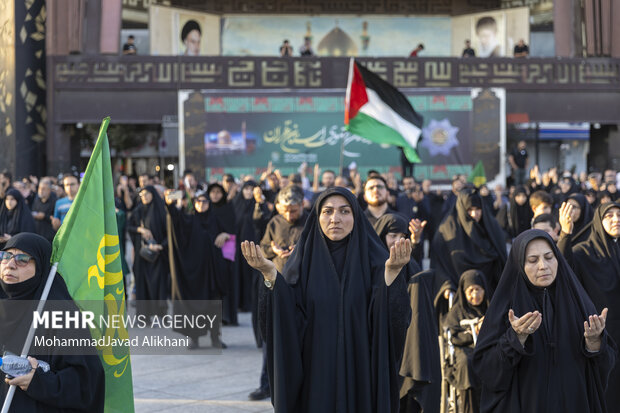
(518, 162)
(521, 49)
(468, 51)
(130, 47)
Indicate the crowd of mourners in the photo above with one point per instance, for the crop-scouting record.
(523, 284)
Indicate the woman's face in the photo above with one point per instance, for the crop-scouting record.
(520, 198)
(611, 222)
(392, 237)
(10, 202)
(336, 217)
(541, 265)
(12, 272)
(248, 192)
(146, 197)
(474, 294)
(215, 194)
(201, 204)
(576, 212)
(475, 213)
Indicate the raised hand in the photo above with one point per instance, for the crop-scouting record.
(255, 258)
(525, 325)
(592, 330)
(400, 254)
(566, 222)
(416, 227)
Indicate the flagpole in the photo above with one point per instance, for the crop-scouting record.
(48, 286)
(347, 102)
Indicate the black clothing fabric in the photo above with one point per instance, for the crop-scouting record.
(225, 215)
(553, 372)
(152, 280)
(587, 213)
(460, 375)
(521, 49)
(197, 273)
(468, 52)
(463, 244)
(396, 223)
(520, 157)
(246, 276)
(223, 210)
(520, 215)
(420, 369)
(411, 209)
(74, 383)
(284, 235)
(335, 340)
(18, 219)
(44, 227)
(597, 265)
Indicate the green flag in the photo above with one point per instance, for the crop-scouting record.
(477, 175)
(87, 250)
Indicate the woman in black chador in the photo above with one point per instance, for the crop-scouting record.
(597, 265)
(196, 268)
(468, 311)
(542, 346)
(148, 220)
(420, 369)
(15, 216)
(335, 320)
(74, 383)
(469, 238)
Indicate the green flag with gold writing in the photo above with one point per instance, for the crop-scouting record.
(87, 250)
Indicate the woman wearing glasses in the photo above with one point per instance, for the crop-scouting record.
(73, 383)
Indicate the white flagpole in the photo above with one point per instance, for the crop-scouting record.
(48, 285)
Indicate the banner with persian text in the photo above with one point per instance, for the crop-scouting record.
(240, 133)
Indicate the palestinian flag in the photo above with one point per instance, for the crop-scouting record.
(377, 111)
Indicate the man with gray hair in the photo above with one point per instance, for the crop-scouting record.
(281, 235)
(43, 209)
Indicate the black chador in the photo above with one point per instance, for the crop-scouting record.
(597, 265)
(18, 219)
(75, 383)
(196, 266)
(553, 371)
(463, 244)
(152, 281)
(334, 330)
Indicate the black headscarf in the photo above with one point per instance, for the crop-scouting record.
(395, 223)
(223, 210)
(555, 352)
(587, 213)
(462, 309)
(16, 325)
(17, 220)
(346, 351)
(470, 244)
(244, 207)
(520, 215)
(154, 215)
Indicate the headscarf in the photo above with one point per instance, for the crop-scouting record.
(395, 223)
(14, 327)
(558, 343)
(17, 220)
(471, 244)
(587, 213)
(223, 210)
(520, 215)
(597, 259)
(154, 215)
(463, 308)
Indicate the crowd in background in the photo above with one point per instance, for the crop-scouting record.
(466, 230)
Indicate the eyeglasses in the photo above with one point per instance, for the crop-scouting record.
(20, 259)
